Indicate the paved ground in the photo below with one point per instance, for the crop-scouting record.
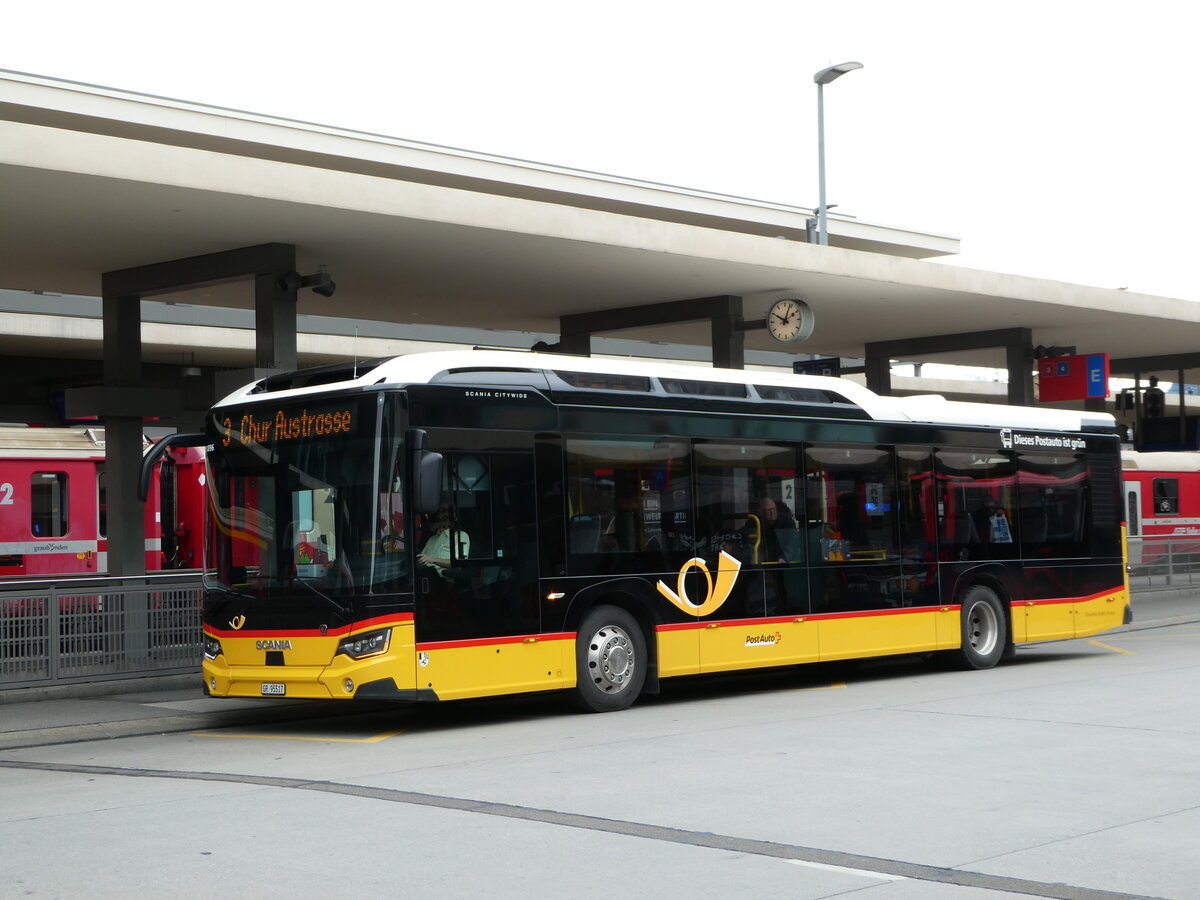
(40, 716)
(1070, 772)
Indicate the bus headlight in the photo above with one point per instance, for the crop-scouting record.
(212, 647)
(370, 644)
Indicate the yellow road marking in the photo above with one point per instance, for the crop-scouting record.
(1105, 646)
(821, 687)
(291, 737)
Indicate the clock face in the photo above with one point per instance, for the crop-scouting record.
(789, 320)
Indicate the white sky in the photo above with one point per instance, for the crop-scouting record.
(1056, 138)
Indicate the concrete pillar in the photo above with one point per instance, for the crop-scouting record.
(729, 335)
(879, 374)
(1019, 358)
(123, 437)
(275, 322)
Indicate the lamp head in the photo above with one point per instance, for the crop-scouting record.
(320, 282)
(827, 75)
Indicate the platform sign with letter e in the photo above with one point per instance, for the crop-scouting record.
(1073, 377)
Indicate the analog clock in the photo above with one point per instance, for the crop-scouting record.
(790, 320)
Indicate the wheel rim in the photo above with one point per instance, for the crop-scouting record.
(611, 659)
(984, 628)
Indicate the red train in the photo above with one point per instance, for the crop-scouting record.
(1162, 501)
(53, 504)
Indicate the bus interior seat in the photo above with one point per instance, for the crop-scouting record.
(585, 534)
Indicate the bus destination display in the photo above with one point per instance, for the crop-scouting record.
(268, 426)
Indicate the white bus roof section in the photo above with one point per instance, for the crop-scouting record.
(427, 368)
(97, 180)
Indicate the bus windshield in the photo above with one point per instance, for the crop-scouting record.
(290, 492)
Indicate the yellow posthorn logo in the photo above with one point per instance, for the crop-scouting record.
(727, 573)
(237, 622)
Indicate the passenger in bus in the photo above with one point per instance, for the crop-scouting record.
(991, 523)
(770, 534)
(438, 551)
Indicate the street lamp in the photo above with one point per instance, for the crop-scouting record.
(823, 78)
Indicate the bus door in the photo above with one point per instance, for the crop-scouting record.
(477, 610)
(754, 549)
(1133, 520)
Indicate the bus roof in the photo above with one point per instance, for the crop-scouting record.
(430, 368)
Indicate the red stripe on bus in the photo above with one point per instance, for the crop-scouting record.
(1050, 601)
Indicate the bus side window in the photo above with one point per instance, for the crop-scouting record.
(851, 491)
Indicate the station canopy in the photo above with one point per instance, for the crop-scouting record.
(96, 180)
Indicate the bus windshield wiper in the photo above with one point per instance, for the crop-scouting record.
(219, 587)
(344, 610)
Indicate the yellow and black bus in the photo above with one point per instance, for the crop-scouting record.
(464, 524)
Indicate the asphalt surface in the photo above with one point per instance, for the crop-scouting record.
(65, 714)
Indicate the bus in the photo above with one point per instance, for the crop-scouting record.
(464, 524)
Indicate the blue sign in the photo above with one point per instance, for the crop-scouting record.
(1097, 376)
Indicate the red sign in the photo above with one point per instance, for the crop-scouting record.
(1073, 377)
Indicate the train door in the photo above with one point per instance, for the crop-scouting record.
(1133, 520)
(50, 513)
(477, 606)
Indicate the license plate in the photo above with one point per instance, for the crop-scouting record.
(270, 689)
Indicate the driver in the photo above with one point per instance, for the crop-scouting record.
(437, 549)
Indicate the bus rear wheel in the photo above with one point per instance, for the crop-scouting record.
(610, 660)
(984, 629)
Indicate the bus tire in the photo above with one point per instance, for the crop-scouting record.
(984, 629)
(610, 660)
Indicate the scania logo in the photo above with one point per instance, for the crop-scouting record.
(273, 645)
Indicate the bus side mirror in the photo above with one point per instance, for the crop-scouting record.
(429, 471)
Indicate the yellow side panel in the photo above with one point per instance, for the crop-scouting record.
(1096, 614)
(879, 634)
(726, 646)
(678, 651)
(479, 669)
(1017, 624)
(1048, 620)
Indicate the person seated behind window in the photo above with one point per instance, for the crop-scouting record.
(991, 523)
(773, 529)
(437, 550)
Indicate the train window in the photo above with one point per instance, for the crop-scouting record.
(48, 506)
(1166, 496)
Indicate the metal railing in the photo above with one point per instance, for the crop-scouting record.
(1156, 563)
(59, 631)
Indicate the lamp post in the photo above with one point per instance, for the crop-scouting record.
(823, 78)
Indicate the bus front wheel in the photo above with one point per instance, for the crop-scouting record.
(610, 660)
(984, 630)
